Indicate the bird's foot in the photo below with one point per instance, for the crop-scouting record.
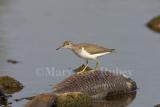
(83, 71)
(80, 73)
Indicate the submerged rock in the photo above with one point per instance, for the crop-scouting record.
(154, 24)
(9, 85)
(12, 61)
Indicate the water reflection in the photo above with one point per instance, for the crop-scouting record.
(116, 101)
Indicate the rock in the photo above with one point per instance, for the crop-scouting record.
(9, 85)
(97, 84)
(3, 99)
(1, 93)
(78, 99)
(12, 61)
(154, 24)
(73, 99)
(83, 90)
(42, 100)
(158, 105)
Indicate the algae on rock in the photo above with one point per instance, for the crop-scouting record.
(154, 24)
(9, 85)
(73, 99)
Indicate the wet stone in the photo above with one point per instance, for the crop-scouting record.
(73, 99)
(12, 61)
(3, 99)
(154, 24)
(97, 84)
(158, 105)
(42, 100)
(9, 85)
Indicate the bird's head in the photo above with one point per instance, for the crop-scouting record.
(66, 44)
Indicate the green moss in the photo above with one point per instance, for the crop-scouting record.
(73, 99)
(9, 85)
(42, 100)
(157, 17)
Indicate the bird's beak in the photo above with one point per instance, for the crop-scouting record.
(59, 47)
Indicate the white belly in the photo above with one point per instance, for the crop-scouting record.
(84, 54)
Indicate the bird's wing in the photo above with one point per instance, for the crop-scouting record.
(94, 49)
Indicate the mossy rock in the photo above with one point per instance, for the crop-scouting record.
(9, 85)
(3, 100)
(73, 99)
(158, 105)
(42, 100)
(154, 24)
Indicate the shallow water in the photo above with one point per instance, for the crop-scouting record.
(30, 31)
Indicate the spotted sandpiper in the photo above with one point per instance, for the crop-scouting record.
(87, 51)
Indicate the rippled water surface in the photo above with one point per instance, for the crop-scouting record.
(31, 30)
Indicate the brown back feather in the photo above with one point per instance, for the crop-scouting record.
(95, 49)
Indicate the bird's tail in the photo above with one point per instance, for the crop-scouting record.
(113, 51)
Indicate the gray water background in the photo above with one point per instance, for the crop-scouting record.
(31, 30)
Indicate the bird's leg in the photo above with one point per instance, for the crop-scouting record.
(86, 62)
(97, 65)
(85, 66)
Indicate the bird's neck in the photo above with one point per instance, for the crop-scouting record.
(75, 47)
